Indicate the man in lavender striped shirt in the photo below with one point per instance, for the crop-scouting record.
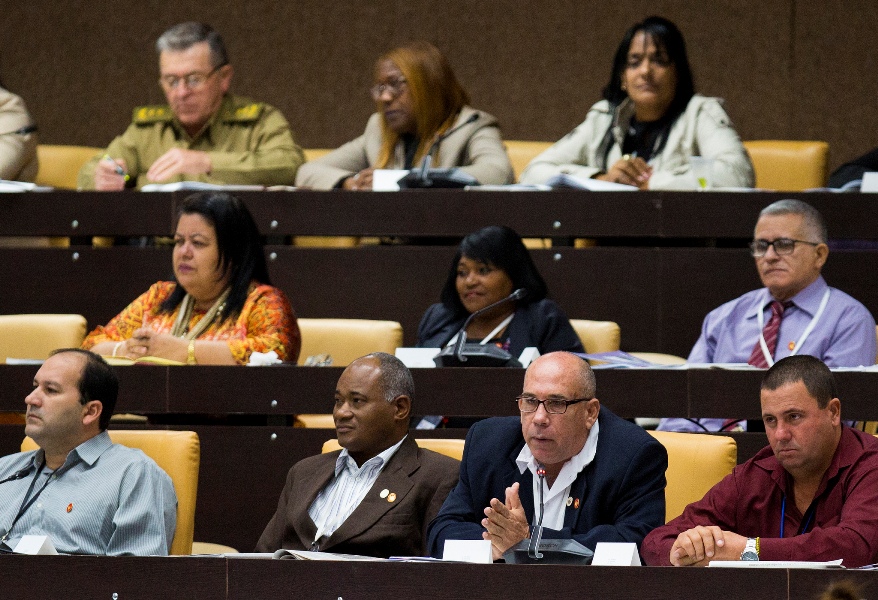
(376, 496)
(790, 248)
(88, 495)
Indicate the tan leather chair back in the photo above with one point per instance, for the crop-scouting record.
(178, 453)
(521, 153)
(60, 165)
(448, 447)
(35, 336)
(696, 462)
(788, 166)
(315, 153)
(347, 339)
(597, 336)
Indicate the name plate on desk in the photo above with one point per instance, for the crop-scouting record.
(473, 551)
(616, 554)
(35, 544)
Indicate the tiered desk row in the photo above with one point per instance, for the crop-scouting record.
(662, 261)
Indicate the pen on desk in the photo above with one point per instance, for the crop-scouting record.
(118, 167)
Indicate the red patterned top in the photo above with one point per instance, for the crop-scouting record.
(266, 322)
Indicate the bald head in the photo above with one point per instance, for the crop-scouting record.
(568, 366)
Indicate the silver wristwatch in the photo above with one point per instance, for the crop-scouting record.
(751, 550)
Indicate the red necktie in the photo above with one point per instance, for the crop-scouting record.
(757, 358)
(770, 333)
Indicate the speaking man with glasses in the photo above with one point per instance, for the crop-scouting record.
(795, 313)
(603, 478)
(204, 133)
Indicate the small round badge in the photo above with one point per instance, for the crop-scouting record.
(384, 493)
(569, 500)
(391, 497)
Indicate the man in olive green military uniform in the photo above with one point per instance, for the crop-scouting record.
(204, 134)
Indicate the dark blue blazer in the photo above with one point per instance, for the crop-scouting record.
(540, 324)
(621, 492)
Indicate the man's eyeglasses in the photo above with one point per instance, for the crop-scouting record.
(394, 87)
(529, 404)
(782, 246)
(191, 81)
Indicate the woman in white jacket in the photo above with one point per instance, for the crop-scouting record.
(650, 123)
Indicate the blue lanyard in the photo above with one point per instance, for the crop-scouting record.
(809, 514)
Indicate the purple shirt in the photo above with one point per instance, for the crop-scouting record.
(844, 336)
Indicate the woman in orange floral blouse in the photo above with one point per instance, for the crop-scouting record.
(221, 307)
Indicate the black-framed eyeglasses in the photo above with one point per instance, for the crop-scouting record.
(191, 80)
(554, 406)
(394, 87)
(782, 246)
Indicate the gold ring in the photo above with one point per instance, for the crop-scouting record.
(626, 157)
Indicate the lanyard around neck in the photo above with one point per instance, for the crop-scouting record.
(761, 319)
(809, 514)
(28, 501)
(491, 335)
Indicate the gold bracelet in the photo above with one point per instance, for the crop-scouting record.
(757, 546)
(190, 359)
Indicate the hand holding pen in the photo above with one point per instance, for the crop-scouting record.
(111, 174)
(630, 170)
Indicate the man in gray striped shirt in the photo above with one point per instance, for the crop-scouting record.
(376, 496)
(88, 495)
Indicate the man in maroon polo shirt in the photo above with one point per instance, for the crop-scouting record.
(812, 495)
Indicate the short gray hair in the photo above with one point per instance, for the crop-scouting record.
(811, 217)
(588, 384)
(185, 35)
(396, 379)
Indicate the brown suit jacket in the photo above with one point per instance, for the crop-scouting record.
(421, 479)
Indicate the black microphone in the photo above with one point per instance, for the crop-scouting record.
(428, 157)
(22, 131)
(533, 550)
(461, 335)
(19, 475)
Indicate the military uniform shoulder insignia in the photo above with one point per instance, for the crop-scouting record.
(246, 112)
(152, 114)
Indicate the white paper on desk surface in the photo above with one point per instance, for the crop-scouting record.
(870, 182)
(7, 185)
(567, 181)
(509, 187)
(776, 564)
(387, 180)
(200, 186)
(726, 366)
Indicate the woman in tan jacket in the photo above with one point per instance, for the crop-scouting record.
(418, 98)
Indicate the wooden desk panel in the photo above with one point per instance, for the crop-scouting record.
(562, 214)
(217, 578)
(280, 391)
(280, 578)
(64, 213)
(110, 578)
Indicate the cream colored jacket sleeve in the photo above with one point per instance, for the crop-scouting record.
(704, 129)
